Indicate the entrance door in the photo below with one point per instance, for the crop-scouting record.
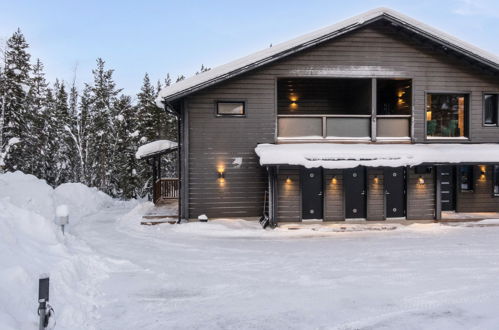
(354, 181)
(447, 187)
(312, 196)
(394, 179)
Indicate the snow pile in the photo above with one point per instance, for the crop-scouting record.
(81, 200)
(394, 155)
(154, 147)
(32, 244)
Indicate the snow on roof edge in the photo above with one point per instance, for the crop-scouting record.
(154, 148)
(267, 54)
(337, 156)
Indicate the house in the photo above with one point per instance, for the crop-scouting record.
(374, 118)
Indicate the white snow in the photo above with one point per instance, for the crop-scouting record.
(351, 155)
(109, 272)
(62, 211)
(268, 55)
(155, 147)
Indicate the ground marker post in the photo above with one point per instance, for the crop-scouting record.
(43, 298)
(62, 216)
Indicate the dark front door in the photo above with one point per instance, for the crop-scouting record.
(394, 179)
(311, 185)
(447, 187)
(354, 181)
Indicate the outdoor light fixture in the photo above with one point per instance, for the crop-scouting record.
(333, 179)
(421, 180)
(376, 179)
(288, 180)
(482, 172)
(221, 175)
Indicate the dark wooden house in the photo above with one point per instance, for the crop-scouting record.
(377, 117)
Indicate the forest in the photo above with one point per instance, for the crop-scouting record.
(60, 133)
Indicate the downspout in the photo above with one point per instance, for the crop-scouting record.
(169, 109)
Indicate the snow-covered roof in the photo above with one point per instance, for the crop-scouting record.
(155, 147)
(275, 52)
(373, 155)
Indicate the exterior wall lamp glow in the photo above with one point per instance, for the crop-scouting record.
(376, 179)
(421, 180)
(334, 180)
(288, 180)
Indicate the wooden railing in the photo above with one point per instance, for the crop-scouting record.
(165, 189)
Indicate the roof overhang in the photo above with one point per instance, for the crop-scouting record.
(155, 148)
(336, 156)
(269, 55)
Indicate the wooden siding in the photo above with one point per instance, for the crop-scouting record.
(481, 199)
(334, 204)
(288, 195)
(373, 51)
(420, 197)
(375, 194)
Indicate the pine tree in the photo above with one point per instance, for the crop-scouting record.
(180, 78)
(103, 95)
(203, 69)
(16, 118)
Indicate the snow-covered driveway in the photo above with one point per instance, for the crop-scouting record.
(234, 275)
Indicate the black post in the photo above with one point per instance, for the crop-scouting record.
(43, 298)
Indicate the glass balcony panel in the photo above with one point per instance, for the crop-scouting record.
(348, 127)
(300, 127)
(393, 127)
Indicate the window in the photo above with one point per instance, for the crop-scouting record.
(394, 97)
(230, 109)
(466, 177)
(496, 180)
(446, 115)
(490, 109)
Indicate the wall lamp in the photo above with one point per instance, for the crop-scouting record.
(288, 180)
(333, 179)
(421, 180)
(376, 179)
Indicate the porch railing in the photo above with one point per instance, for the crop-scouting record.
(344, 127)
(165, 189)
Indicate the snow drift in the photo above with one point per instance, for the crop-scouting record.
(32, 244)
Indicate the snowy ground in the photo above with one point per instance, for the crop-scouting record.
(111, 273)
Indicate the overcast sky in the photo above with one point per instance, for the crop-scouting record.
(158, 37)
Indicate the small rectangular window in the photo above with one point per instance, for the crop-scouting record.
(230, 109)
(496, 180)
(466, 178)
(490, 109)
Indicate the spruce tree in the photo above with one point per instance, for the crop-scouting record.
(17, 120)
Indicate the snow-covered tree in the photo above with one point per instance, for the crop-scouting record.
(16, 118)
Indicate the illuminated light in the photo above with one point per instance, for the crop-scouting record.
(428, 115)
(293, 98)
(421, 180)
(376, 179)
(334, 180)
(483, 171)
(293, 106)
(288, 180)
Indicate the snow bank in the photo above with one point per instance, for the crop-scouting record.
(393, 155)
(32, 244)
(81, 200)
(154, 147)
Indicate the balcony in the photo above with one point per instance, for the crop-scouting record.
(323, 110)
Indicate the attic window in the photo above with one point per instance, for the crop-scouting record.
(236, 109)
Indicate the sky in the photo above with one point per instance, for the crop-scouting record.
(176, 37)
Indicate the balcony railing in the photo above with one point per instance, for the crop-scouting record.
(344, 127)
(165, 189)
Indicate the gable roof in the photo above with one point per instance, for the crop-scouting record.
(253, 61)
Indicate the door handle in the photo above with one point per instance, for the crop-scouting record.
(363, 192)
(319, 194)
(387, 193)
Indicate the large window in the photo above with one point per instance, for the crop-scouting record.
(446, 115)
(394, 97)
(496, 180)
(466, 177)
(490, 109)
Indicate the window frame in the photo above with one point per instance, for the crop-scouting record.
(495, 176)
(472, 179)
(483, 109)
(467, 115)
(242, 102)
